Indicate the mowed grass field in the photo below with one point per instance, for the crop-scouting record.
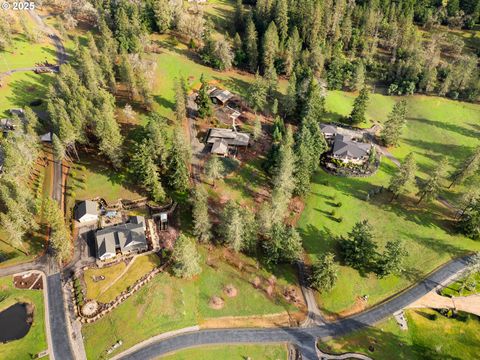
(231, 352)
(435, 127)
(168, 303)
(426, 338)
(425, 230)
(35, 340)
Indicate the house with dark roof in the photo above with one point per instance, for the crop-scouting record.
(122, 239)
(224, 140)
(86, 211)
(348, 150)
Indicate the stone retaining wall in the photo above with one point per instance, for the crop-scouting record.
(124, 295)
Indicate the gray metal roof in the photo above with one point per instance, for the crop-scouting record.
(345, 147)
(230, 136)
(328, 129)
(221, 95)
(220, 146)
(129, 236)
(86, 207)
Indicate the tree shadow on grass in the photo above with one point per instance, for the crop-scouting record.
(165, 103)
(234, 85)
(448, 126)
(25, 91)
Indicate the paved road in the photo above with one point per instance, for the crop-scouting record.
(58, 321)
(304, 338)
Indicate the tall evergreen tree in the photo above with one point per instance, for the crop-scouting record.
(201, 221)
(251, 45)
(392, 259)
(180, 102)
(179, 162)
(324, 273)
(468, 168)
(431, 187)
(214, 169)
(257, 93)
(186, 260)
(394, 125)
(357, 116)
(270, 46)
(203, 100)
(404, 177)
(359, 249)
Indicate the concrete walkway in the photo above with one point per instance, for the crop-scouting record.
(345, 356)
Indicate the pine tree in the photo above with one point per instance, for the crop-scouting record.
(391, 261)
(30, 121)
(257, 93)
(290, 100)
(257, 129)
(270, 46)
(431, 187)
(201, 221)
(186, 260)
(284, 245)
(214, 169)
(239, 17)
(179, 162)
(233, 226)
(163, 15)
(128, 76)
(107, 129)
(203, 100)
(283, 180)
(147, 171)
(359, 249)
(324, 273)
(180, 102)
(60, 239)
(58, 148)
(357, 116)
(468, 168)
(469, 221)
(281, 19)
(394, 125)
(404, 177)
(251, 45)
(359, 76)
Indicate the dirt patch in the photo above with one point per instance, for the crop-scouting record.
(216, 303)
(28, 281)
(230, 290)
(90, 308)
(296, 208)
(274, 320)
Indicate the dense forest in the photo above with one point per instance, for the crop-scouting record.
(405, 46)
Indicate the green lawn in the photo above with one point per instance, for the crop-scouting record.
(24, 54)
(106, 290)
(425, 338)
(168, 303)
(20, 89)
(35, 340)
(179, 61)
(435, 127)
(231, 352)
(424, 230)
(100, 179)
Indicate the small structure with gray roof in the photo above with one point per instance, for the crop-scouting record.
(122, 239)
(329, 131)
(86, 211)
(224, 140)
(220, 97)
(348, 150)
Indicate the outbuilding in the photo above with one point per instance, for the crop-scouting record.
(86, 211)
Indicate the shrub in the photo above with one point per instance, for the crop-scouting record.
(339, 219)
(339, 204)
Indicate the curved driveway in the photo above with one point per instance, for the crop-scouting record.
(303, 338)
